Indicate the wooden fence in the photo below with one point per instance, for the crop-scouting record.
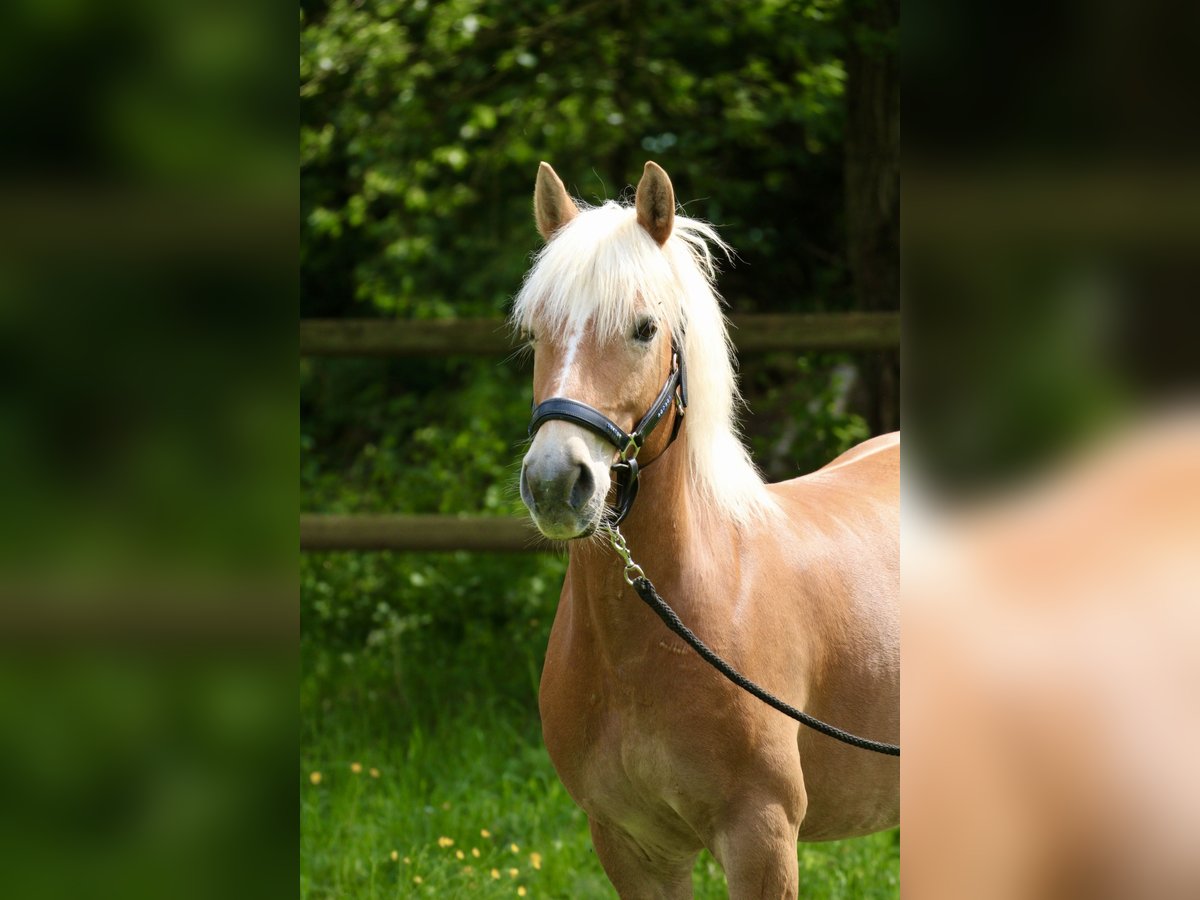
(324, 531)
(492, 337)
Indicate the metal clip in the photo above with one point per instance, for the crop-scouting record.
(631, 449)
(632, 570)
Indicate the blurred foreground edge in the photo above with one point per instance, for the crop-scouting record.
(1051, 682)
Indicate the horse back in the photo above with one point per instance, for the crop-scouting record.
(877, 457)
(867, 473)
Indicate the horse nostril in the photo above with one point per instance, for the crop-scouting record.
(582, 489)
(526, 493)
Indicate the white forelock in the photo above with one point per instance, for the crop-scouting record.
(599, 272)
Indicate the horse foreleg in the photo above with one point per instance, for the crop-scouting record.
(757, 849)
(635, 873)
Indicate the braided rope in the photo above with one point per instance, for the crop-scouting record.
(646, 591)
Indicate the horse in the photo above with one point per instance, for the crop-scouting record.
(796, 584)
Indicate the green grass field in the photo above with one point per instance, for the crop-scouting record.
(433, 782)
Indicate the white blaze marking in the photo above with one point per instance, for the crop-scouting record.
(573, 341)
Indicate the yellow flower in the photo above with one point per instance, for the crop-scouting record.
(407, 861)
(483, 832)
(475, 852)
(521, 891)
(445, 842)
(536, 860)
(495, 873)
(514, 848)
(356, 768)
(460, 854)
(314, 777)
(513, 873)
(417, 879)
(374, 772)
(396, 856)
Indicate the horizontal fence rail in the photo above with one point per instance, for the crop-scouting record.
(757, 333)
(322, 531)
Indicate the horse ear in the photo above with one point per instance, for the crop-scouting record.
(552, 205)
(656, 203)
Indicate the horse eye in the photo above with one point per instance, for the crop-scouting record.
(645, 330)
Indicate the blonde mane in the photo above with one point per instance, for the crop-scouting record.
(592, 274)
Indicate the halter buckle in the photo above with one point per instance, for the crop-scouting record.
(631, 449)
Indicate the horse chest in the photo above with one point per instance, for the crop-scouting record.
(620, 751)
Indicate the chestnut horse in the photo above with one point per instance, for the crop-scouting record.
(795, 584)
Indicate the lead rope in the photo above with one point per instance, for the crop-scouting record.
(635, 577)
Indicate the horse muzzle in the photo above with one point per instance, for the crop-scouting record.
(563, 489)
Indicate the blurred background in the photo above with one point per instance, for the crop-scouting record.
(422, 126)
(1051, 511)
(148, 623)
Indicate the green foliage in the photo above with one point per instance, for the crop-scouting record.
(423, 123)
(801, 416)
(424, 437)
(419, 437)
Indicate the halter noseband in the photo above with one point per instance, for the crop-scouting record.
(628, 444)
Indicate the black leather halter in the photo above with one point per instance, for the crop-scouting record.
(627, 443)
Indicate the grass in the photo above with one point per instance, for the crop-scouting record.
(433, 782)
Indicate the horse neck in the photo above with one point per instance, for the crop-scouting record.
(667, 535)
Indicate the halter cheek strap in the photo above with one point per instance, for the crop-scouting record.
(628, 444)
